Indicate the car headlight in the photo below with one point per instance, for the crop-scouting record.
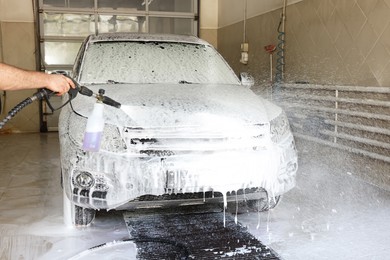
(279, 127)
(76, 126)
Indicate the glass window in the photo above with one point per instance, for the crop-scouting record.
(121, 23)
(58, 53)
(135, 5)
(171, 5)
(57, 24)
(69, 3)
(171, 25)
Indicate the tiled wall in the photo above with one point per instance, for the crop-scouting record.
(344, 42)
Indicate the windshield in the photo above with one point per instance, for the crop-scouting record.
(154, 62)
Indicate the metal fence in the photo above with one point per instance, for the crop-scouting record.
(352, 118)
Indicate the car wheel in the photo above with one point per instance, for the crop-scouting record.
(75, 215)
(237, 207)
(257, 205)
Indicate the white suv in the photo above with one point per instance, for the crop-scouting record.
(188, 130)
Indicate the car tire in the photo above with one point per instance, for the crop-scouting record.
(75, 215)
(257, 205)
(237, 207)
(83, 216)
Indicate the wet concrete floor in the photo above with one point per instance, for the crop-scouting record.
(331, 214)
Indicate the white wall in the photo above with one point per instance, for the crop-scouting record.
(232, 11)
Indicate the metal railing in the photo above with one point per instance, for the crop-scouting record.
(352, 118)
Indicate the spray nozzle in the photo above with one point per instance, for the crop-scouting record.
(106, 100)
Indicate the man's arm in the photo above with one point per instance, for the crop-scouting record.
(12, 78)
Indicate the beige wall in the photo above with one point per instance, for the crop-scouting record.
(17, 47)
(260, 31)
(209, 21)
(16, 10)
(232, 11)
(221, 13)
(344, 42)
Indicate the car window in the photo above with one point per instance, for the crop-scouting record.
(154, 62)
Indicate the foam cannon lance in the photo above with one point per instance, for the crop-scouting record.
(95, 124)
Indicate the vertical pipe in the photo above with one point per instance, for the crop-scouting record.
(96, 17)
(245, 11)
(284, 13)
(197, 16)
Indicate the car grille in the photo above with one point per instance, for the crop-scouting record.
(171, 141)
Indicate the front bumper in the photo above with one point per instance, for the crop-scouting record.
(120, 178)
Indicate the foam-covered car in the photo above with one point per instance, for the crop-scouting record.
(188, 131)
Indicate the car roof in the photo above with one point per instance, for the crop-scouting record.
(147, 37)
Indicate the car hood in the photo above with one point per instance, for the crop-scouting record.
(168, 105)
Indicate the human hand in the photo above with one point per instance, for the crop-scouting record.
(59, 84)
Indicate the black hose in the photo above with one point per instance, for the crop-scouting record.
(16, 109)
(280, 54)
(43, 93)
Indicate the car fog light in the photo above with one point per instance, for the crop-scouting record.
(84, 180)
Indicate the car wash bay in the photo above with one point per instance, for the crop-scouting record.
(337, 99)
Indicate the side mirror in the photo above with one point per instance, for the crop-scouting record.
(247, 80)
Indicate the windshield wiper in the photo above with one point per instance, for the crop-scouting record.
(184, 82)
(110, 81)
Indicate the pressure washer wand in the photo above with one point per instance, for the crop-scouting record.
(47, 94)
